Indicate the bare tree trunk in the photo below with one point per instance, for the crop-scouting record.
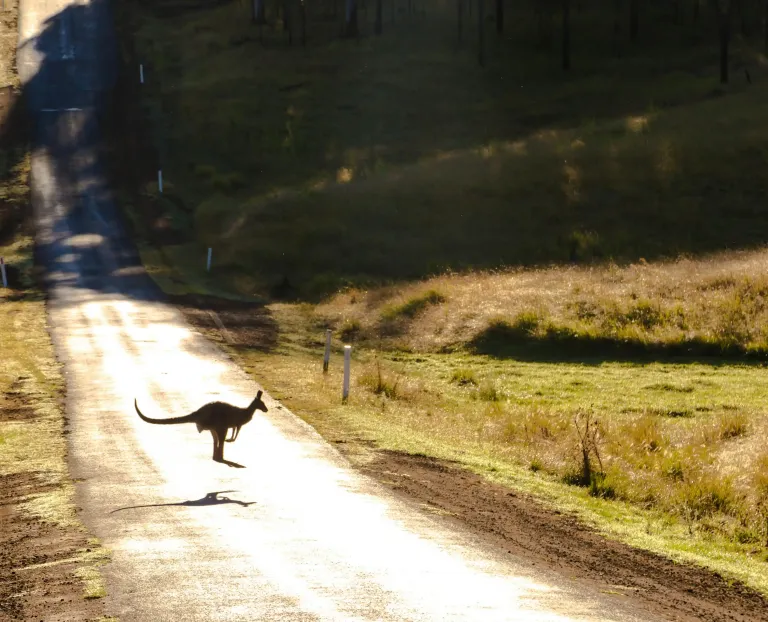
(566, 35)
(634, 19)
(379, 17)
(350, 24)
(724, 28)
(303, 9)
(460, 7)
(257, 16)
(500, 17)
(287, 20)
(480, 33)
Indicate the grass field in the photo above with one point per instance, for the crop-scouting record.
(557, 280)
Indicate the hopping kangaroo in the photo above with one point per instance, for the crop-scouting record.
(218, 418)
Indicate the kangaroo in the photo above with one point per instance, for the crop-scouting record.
(218, 418)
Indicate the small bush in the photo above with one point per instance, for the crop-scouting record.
(350, 330)
(732, 425)
(463, 377)
(645, 434)
(414, 306)
(379, 384)
(665, 386)
(205, 171)
(227, 183)
(525, 323)
(704, 497)
(488, 393)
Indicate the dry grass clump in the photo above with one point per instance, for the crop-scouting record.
(713, 305)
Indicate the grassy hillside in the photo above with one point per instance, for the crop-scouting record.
(395, 157)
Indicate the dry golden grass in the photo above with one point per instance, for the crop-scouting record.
(722, 299)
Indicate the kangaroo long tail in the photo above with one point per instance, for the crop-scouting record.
(186, 419)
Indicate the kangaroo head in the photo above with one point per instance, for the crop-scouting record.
(258, 404)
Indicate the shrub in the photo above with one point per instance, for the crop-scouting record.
(414, 306)
(350, 330)
(379, 384)
(464, 376)
(732, 425)
(488, 393)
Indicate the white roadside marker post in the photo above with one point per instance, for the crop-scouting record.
(160, 180)
(141, 74)
(208, 263)
(327, 355)
(347, 360)
(2, 269)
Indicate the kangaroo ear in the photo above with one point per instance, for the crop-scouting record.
(258, 395)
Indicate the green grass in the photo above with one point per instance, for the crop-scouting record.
(397, 157)
(684, 470)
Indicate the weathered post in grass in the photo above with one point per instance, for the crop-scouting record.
(160, 181)
(208, 263)
(347, 361)
(2, 269)
(141, 74)
(327, 355)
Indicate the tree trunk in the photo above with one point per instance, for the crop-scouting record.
(724, 27)
(460, 8)
(480, 33)
(696, 7)
(765, 26)
(500, 17)
(616, 27)
(634, 19)
(350, 24)
(744, 20)
(379, 17)
(287, 25)
(566, 35)
(257, 16)
(303, 9)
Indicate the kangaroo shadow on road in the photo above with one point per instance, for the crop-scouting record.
(212, 498)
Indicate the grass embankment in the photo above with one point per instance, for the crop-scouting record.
(34, 477)
(393, 158)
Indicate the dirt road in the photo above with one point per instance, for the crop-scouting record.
(297, 534)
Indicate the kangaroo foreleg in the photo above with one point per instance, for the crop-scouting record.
(235, 432)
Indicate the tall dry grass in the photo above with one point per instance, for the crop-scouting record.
(721, 300)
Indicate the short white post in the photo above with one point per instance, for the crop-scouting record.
(208, 264)
(141, 73)
(160, 180)
(327, 355)
(347, 360)
(2, 269)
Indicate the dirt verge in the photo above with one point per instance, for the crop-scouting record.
(39, 560)
(518, 524)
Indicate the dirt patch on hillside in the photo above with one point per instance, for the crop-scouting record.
(38, 561)
(518, 524)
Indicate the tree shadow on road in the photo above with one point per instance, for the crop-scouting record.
(212, 498)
